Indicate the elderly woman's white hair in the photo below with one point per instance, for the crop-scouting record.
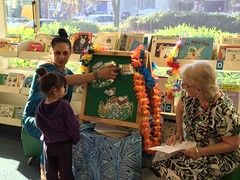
(201, 75)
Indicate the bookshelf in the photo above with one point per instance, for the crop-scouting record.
(10, 121)
(227, 65)
(17, 96)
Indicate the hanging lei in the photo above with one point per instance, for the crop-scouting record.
(147, 93)
(173, 82)
(87, 54)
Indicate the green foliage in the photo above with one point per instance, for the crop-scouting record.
(223, 22)
(109, 28)
(83, 26)
(228, 77)
(25, 34)
(25, 63)
(185, 30)
(52, 28)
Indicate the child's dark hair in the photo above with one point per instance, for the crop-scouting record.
(61, 38)
(48, 81)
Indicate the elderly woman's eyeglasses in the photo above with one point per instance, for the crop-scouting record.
(186, 86)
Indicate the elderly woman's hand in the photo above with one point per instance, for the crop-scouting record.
(173, 139)
(192, 153)
(109, 72)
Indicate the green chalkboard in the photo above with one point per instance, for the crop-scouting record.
(111, 102)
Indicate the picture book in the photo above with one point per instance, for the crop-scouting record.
(234, 40)
(27, 81)
(14, 79)
(18, 112)
(162, 47)
(45, 40)
(6, 110)
(232, 54)
(3, 79)
(123, 42)
(134, 40)
(176, 148)
(108, 40)
(196, 48)
(130, 41)
(221, 54)
(81, 42)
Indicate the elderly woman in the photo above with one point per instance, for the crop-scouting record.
(204, 115)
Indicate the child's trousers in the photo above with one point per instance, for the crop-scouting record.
(58, 159)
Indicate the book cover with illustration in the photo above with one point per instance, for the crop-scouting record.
(14, 79)
(130, 41)
(18, 112)
(27, 81)
(196, 48)
(108, 40)
(81, 41)
(233, 40)
(232, 54)
(6, 110)
(134, 40)
(3, 79)
(221, 54)
(162, 47)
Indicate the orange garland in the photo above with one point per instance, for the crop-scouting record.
(149, 105)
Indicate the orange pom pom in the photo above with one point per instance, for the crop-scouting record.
(146, 113)
(157, 134)
(157, 128)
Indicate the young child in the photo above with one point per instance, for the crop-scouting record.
(58, 124)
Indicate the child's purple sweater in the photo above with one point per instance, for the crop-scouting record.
(57, 122)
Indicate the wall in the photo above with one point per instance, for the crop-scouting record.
(3, 21)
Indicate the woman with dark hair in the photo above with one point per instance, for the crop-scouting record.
(61, 51)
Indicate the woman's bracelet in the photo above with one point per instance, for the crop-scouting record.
(197, 152)
(95, 74)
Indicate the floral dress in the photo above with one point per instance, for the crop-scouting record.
(205, 127)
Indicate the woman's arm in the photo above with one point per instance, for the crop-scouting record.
(179, 113)
(179, 116)
(228, 144)
(106, 72)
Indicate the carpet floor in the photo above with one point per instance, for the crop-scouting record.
(13, 164)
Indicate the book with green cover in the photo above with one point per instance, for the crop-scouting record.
(196, 48)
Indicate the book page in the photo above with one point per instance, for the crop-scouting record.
(177, 147)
